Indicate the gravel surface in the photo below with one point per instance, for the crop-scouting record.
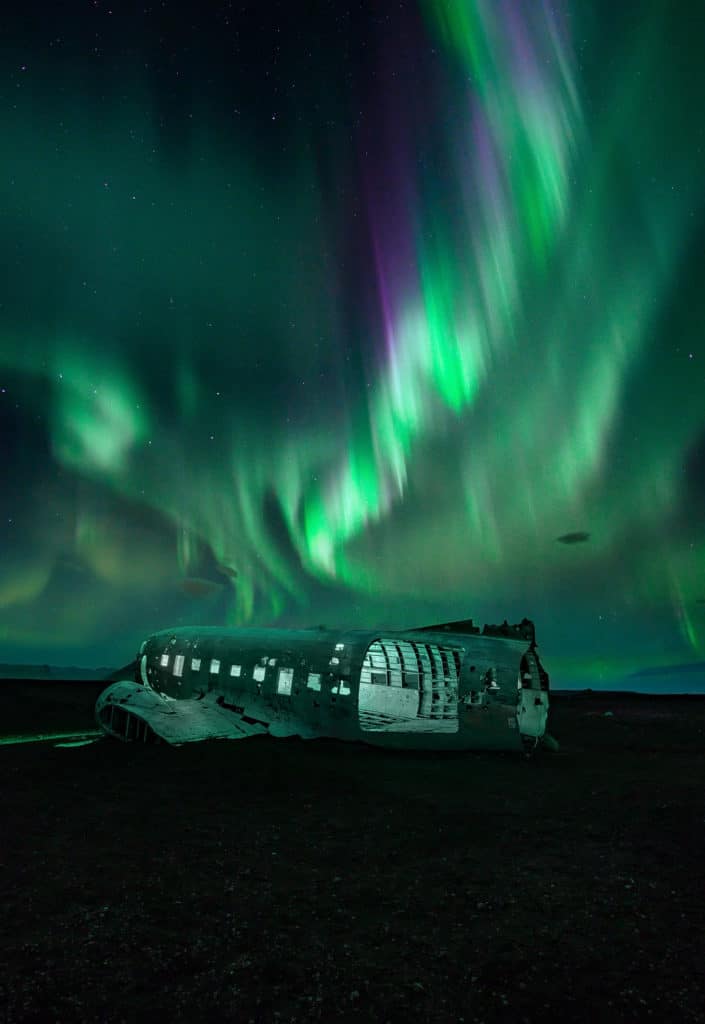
(282, 880)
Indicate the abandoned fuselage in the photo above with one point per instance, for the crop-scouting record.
(441, 687)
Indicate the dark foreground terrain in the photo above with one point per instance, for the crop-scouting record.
(277, 880)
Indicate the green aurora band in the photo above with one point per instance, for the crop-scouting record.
(184, 321)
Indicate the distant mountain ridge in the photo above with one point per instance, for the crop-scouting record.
(64, 673)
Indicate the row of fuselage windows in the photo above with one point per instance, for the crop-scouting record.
(285, 675)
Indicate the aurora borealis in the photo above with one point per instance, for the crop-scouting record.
(321, 314)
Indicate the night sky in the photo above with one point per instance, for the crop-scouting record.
(354, 313)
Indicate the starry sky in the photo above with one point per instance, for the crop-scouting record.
(354, 313)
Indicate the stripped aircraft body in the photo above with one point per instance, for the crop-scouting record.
(446, 687)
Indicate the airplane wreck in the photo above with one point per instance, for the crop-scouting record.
(450, 686)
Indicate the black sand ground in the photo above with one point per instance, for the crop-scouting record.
(277, 880)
